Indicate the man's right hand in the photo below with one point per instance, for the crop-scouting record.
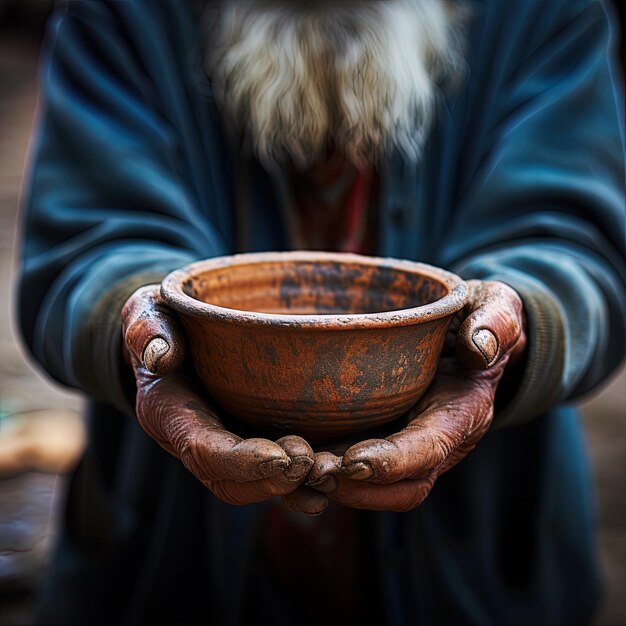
(172, 408)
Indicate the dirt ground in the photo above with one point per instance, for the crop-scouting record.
(24, 390)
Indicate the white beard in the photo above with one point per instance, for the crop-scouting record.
(362, 76)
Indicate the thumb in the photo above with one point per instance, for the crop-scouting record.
(493, 326)
(151, 334)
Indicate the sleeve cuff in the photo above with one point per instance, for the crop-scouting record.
(538, 380)
(108, 378)
(540, 385)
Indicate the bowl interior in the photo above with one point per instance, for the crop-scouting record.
(320, 287)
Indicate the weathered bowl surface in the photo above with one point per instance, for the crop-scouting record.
(324, 345)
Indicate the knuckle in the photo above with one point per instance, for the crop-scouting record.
(132, 332)
(435, 455)
(190, 456)
(442, 448)
(278, 488)
(382, 469)
(295, 446)
(416, 496)
(225, 492)
(148, 416)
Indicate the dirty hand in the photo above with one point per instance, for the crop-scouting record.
(398, 472)
(173, 410)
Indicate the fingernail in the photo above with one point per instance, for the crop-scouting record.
(154, 352)
(487, 343)
(326, 484)
(272, 467)
(318, 513)
(298, 468)
(359, 471)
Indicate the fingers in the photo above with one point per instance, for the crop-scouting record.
(493, 325)
(247, 460)
(296, 498)
(286, 483)
(399, 497)
(171, 411)
(300, 454)
(286, 462)
(281, 483)
(322, 475)
(299, 499)
(397, 473)
(151, 333)
(412, 453)
(238, 471)
(283, 473)
(306, 500)
(448, 422)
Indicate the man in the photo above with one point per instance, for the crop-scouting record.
(484, 141)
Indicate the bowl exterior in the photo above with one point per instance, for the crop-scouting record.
(320, 384)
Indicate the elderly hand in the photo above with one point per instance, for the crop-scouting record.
(397, 473)
(172, 409)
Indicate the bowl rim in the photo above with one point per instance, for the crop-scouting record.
(172, 292)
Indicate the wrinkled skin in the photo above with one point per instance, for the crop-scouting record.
(394, 473)
(397, 473)
(171, 408)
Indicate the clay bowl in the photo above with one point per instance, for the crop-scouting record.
(324, 345)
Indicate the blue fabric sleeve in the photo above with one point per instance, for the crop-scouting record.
(105, 207)
(543, 209)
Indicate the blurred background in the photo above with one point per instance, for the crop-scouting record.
(41, 431)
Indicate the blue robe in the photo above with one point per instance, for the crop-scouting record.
(522, 180)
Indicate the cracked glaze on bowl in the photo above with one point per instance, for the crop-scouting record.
(324, 345)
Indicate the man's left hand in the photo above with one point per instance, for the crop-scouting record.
(397, 473)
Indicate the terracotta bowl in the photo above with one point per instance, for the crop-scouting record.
(324, 345)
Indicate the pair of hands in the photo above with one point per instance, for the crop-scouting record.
(393, 473)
